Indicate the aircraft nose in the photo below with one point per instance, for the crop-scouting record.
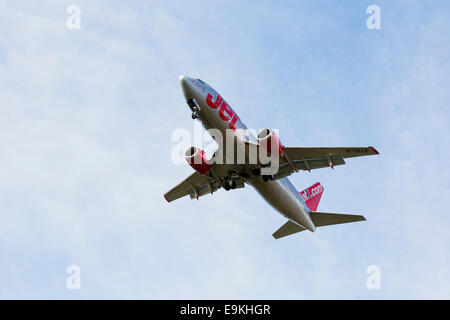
(186, 86)
(182, 79)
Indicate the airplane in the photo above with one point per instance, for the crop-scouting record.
(208, 106)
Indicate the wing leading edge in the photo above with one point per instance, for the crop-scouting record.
(294, 159)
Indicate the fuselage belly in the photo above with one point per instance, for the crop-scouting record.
(280, 194)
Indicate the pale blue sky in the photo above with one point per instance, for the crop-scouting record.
(86, 118)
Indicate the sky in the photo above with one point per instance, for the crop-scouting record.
(86, 118)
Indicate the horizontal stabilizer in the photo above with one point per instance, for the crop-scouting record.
(287, 229)
(320, 219)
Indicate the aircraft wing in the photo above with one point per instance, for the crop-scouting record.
(296, 158)
(197, 185)
(309, 158)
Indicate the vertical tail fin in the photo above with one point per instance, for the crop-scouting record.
(312, 196)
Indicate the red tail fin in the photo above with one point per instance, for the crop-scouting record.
(312, 196)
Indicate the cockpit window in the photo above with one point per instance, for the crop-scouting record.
(201, 81)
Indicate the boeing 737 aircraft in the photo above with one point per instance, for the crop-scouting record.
(210, 174)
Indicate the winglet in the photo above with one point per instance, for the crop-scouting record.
(374, 150)
(166, 198)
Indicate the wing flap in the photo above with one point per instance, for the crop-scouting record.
(310, 158)
(195, 185)
(301, 153)
(308, 164)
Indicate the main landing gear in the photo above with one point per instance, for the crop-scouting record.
(227, 185)
(257, 172)
(267, 178)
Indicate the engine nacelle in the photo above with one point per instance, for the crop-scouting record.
(197, 160)
(268, 140)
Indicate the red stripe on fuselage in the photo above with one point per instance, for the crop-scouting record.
(226, 113)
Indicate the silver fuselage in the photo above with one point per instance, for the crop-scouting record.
(281, 194)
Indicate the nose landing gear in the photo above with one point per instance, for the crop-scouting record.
(195, 112)
(193, 105)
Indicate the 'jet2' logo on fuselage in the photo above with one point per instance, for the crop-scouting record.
(311, 192)
(226, 113)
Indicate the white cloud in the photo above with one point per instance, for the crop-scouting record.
(86, 118)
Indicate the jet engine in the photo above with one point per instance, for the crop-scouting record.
(197, 160)
(268, 139)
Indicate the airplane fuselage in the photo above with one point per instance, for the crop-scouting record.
(215, 113)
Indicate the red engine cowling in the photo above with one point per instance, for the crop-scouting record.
(197, 160)
(268, 140)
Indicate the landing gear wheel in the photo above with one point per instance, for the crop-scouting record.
(267, 177)
(195, 115)
(233, 185)
(226, 185)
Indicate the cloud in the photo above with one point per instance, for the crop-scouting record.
(86, 120)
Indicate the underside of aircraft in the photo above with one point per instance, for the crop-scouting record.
(267, 171)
